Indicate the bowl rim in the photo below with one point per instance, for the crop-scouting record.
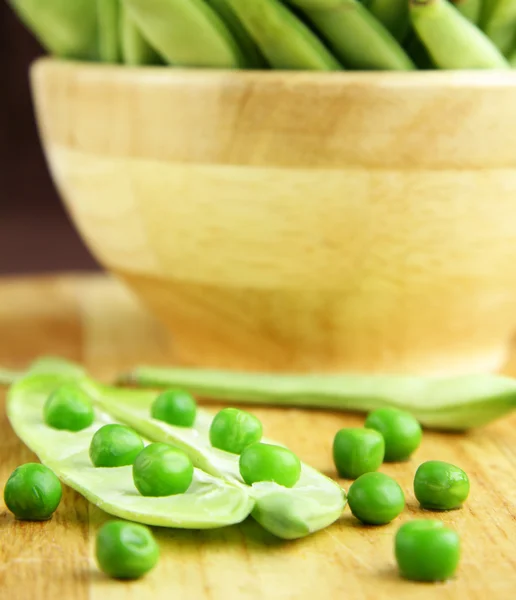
(166, 74)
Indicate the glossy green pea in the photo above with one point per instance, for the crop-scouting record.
(427, 551)
(32, 492)
(68, 408)
(358, 451)
(376, 499)
(400, 430)
(175, 407)
(126, 550)
(440, 486)
(233, 430)
(162, 470)
(115, 446)
(266, 462)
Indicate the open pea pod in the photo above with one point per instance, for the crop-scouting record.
(312, 504)
(209, 502)
(448, 403)
(66, 28)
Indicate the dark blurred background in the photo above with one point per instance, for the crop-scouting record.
(35, 232)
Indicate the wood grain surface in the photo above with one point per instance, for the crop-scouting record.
(95, 321)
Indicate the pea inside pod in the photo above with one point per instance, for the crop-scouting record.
(68, 407)
(115, 446)
(207, 503)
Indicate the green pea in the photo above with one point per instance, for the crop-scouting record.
(358, 451)
(33, 492)
(266, 462)
(69, 408)
(440, 486)
(233, 430)
(376, 499)
(126, 550)
(162, 470)
(401, 432)
(115, 446)
(427, 551)
(175, 407)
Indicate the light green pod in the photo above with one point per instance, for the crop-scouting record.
(356, 37)
(254, 57)
(471, 9)
(136, 51)
(500, 25)
(208, 503)
(393, 14)
(109, 14)
(448, 403)
(285, 41)
(313, 503)
(451, 40)
(67, 29)
(187, 33)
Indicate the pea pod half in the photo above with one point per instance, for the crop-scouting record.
(208, 503)
(66, 28)
(312, 504)
(449, 403)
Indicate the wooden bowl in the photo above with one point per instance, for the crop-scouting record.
(298, 221)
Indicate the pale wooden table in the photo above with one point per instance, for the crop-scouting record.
(93, 320)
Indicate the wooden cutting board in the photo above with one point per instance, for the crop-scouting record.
(94, 321)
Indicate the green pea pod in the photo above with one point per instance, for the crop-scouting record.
(108, 14)
(455, 403)
(253, 55)
(314, 503)
(285, 41)
(67, 29)
(500, 25)
(451, 40)
(208, 503)
(357, 38)
(393, 14)
(471, 9)
(136, 50)
(187, 33)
